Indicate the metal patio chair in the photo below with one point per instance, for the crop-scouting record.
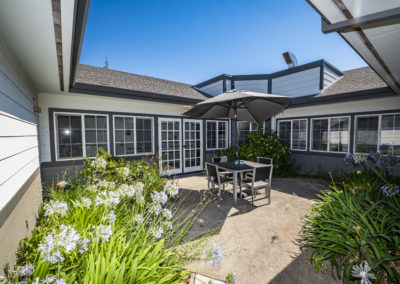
(222, 159)
(261, 178)
(214, 178)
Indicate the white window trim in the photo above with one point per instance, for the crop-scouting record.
(251, 126)
(379, 115)
(291, 132)
(82, 115)
(216, 130)
(329, 134)
(134, 135)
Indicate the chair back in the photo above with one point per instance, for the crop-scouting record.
(262, 160)
(212, 172)
(263, 173)
(220, 159)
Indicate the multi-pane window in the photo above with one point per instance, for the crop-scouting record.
(330, 134)
(378, 133)
(294, 133)
(217, 134)
(244, 128)
(80, 135)
(133, 135)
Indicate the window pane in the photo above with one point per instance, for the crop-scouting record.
(69, 136)
(211, 134)
(320, 135)
(367, 134)
(222, 135)
(119, 122)
(299, 134)
(339, 135)
(90, 122)
(284, 132)
(243, 128)
(95, 134)
(390, 135)
(144, 140)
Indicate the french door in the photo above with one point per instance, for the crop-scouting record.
(180, 148)
(192, 145)
(170, 145)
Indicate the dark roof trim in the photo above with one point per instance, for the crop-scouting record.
(213, 80)
(382, 18)
(81, 14)
(129, 94)
(344, 97)
(251, 77)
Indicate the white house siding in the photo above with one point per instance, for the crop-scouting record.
(213, 89)
(330, 77)
(91, 102)
(19, 157)
(298, 84)
(252, 85)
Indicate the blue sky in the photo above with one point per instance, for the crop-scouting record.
(193, 40)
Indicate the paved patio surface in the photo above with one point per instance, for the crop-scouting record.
(258, 243)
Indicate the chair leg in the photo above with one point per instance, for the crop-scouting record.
(252, 196)
(219, 193)
(223, 187)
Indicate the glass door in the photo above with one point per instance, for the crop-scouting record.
(170, 146)
(192, 145)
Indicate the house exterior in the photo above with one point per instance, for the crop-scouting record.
(55, 111)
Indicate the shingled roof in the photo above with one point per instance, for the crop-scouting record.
(360, 79)
(97, 76)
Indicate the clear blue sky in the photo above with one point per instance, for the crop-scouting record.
(193, 40)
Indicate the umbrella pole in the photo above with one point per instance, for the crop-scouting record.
(237, 136)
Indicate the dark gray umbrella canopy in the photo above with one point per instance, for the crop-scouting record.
(249, 106)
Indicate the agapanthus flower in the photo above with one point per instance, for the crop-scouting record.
(109, 185)
(92, 187)
(157, 232)
(66, 240)
(103, 232)
(138, 218)
(127, 190)
(124, 172)
(159, 197)
(110, 217)
(107, 198)
(25, 270)
(213, 255)
(168, 225)
(171, 189)
(85, 202)
(362, 271)
(49, 279)
(99, 163)
(390, 190)
(84, 245)
(36, 281)
(167, 213)
(56, 207)
(157, 208)
(139, 192)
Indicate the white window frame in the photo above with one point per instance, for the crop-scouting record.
(329, 134)
(134, 135)
(226, 135)
(251, 126)
(291, 132)
(379, 115)
(82, 115)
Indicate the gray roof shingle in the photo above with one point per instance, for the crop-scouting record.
(360, 79)
(98, 76)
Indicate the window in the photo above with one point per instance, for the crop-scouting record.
(294, 133)
(80, 135)
(330, 134)
(378, 133)
(244, 128)
(133, 135)
(217, 134)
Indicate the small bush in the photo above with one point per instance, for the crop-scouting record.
(356, 226)
(261, 145)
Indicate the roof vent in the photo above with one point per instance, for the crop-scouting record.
(290, 59)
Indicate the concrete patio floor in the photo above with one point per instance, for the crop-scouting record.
(258, 242)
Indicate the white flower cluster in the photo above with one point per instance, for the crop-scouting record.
(107, 198)
(85, 202)
(138, 218)
(157, 232)
(92, 187)
(109, 185)
(99, 163)
(124, 172)
(56, 207)
(66, 240)
(159, 197)
(103, 232)
(110, 217)
(25, 270)
(171, 189)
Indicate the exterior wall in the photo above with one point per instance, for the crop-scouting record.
(330, 77)
(80, 103)
(312, 162)
(18, 155)
(213, 89)
(252, 85)
(298, 84)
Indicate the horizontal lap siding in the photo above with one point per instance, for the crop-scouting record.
(298, 84)
(19, 151)
(252, 85)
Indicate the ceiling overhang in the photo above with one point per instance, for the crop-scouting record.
(372, 29)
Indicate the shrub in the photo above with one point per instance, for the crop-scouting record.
(261, 145)
(356, 226)
(114, 226)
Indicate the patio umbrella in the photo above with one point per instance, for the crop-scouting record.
(240, 105)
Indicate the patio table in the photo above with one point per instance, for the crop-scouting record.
(235, 169)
